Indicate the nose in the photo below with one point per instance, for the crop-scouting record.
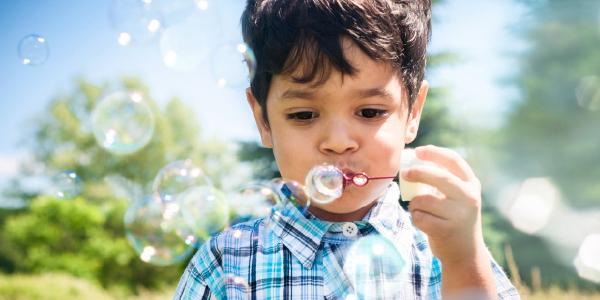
(337, 137)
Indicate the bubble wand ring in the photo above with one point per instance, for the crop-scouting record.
(360, 179)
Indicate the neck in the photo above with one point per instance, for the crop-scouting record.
(356, 215)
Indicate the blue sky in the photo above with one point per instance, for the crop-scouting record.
(83, 43)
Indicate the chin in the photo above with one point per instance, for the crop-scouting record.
(353, 199)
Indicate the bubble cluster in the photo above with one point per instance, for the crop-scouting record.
(33, 50)
(375, 268)
(324, 184)
(204, 211)
(123, 122)
(177, 178)
(152, 228)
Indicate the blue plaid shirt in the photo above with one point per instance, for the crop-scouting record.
(293, 255)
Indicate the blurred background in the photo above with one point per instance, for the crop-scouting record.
(104, 102)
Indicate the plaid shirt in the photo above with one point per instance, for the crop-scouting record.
(293, 255)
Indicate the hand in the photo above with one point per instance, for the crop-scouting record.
(450, 215)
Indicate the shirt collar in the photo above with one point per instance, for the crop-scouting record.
(302, 233)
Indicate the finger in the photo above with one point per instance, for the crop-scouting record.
(432, 204)
(428, 223)
(448, 159)
(442, 179)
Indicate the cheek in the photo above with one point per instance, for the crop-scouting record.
(386, 146)
(291, 156)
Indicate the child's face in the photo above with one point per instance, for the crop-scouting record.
(359, 123)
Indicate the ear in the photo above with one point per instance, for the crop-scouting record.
(414, 116)
(263, 127)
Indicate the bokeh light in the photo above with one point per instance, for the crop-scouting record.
(123, 122)
(324, 184)
(233, 65)
(33, 50)
(237, 287)
(533, 205)
(66, 185)
(587, 261)
(375, 268)
(188, 43)
(177, 178)
(152, 229)
(135, 20)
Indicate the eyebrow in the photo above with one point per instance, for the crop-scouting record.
(357, 93)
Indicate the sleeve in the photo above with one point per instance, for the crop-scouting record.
(191, 286)
(504, 287)
(202, 278)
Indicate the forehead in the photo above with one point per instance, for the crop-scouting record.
(371, 78)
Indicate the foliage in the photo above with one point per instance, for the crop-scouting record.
(85, 236)
(80, 238)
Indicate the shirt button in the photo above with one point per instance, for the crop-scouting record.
(349, 229)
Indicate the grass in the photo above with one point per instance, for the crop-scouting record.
(65, 287)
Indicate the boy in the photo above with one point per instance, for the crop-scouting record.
(341, 82)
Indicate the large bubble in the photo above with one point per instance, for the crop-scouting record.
(375, 268)
(204, 210)
(123, 122)
(188, 43)
(324, 184)
(152, 229)
(33, 50)
(177, 178)
(233, 65)
(135, 20)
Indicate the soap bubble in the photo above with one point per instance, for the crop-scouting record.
(135, 20)
(324, 184)
(186, 44)
(409, 190)
(151, 228)
(33, 50)
(205, 212)
(123, 122)
(66, 185)
(233, 65)
(253, 201)
(176, 178)
(375, 268)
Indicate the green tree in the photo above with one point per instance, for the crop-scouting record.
(552, 130)
(85, 236)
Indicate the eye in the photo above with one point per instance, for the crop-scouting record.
(370, 113)
(302, 115)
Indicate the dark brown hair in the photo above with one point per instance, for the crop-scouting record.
(290, 34)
